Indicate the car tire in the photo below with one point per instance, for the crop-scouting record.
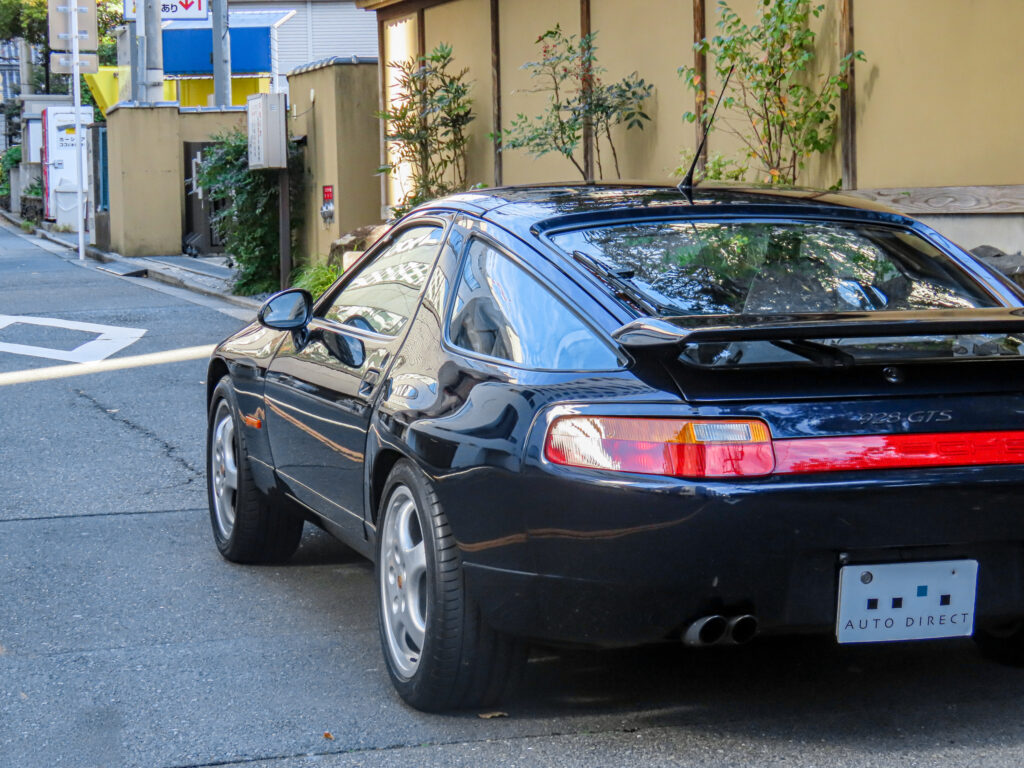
(246, 527)
(439, 652)
(1002, 643)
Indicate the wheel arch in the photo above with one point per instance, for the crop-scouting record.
(216, 371)
(383, 462)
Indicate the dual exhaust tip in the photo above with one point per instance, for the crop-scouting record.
(714, 629)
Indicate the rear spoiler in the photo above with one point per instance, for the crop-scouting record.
(666, 334)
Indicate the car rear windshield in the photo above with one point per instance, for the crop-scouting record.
(769, 267)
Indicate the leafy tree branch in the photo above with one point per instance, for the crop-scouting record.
(788, 113)
(568, 75)
(426, 126)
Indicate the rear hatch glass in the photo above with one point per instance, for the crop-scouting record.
(766, 269)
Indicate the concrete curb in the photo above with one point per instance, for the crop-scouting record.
(180, 277)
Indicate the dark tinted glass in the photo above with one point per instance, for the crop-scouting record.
(763, 267)
(502, 311)
(383, 295)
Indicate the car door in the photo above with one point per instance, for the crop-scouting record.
(322, 384)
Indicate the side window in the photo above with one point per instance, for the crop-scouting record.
(502, 311)
(383, 295)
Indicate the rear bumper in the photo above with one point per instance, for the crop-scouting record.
(608, 563)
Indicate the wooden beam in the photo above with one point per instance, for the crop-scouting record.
(848, 98)
(496, 89)
(382, 95)
(588, 128)
(949, 200)
(700, 64)
(390, 9)
(421, 33)
(421, 48)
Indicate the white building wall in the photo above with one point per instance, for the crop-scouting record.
(318, 30)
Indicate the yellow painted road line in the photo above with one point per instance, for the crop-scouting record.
(101, 366)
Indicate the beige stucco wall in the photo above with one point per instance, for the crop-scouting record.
(147, 177)
(940, 101)
(462, 24)
(521, 23)
(342, 146)
(654, 51)
(400, 44)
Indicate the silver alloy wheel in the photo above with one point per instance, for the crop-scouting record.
(224, 469)
(403, 581)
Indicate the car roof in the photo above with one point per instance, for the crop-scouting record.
(541, 207)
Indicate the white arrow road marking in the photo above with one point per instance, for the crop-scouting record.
(101, 366)
(110, 339)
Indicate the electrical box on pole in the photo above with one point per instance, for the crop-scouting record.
(268, 149)
(268, 134)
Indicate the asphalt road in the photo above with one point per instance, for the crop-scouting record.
(126, 640)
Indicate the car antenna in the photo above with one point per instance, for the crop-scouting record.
(686, 185)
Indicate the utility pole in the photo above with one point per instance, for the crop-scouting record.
(137, 58)
(25, 66)
(76, 79)
(154, 82)
(221, 54)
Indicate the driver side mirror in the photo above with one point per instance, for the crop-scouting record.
(289, 310)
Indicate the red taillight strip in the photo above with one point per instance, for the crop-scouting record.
(939, 449)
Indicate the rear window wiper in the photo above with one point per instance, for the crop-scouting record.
(621, 281)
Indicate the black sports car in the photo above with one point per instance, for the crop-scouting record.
(614, 415)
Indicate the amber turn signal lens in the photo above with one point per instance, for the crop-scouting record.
(695, 448)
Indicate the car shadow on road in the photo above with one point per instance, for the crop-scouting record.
(320, 548)
(806, 688)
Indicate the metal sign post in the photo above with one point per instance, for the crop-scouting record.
(76, 78)
(59, 39)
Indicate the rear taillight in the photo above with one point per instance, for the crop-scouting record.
(939, 449)
(651, 446)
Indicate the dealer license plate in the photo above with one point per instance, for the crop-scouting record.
(906, 601)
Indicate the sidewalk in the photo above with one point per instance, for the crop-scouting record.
(208, 275)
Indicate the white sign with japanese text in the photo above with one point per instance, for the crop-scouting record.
(196, 10)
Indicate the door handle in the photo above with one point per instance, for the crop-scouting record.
(369, 381)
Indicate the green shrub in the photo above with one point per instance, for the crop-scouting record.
(568, 77)
(316, 278)
(426, 126)
(245, 205)
(10, 158)
(35, 189)
(717, 168)
(788, 113)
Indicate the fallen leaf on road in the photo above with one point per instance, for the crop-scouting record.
(2, 650)
(491, 715)
(23, 695)
(328, 735)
